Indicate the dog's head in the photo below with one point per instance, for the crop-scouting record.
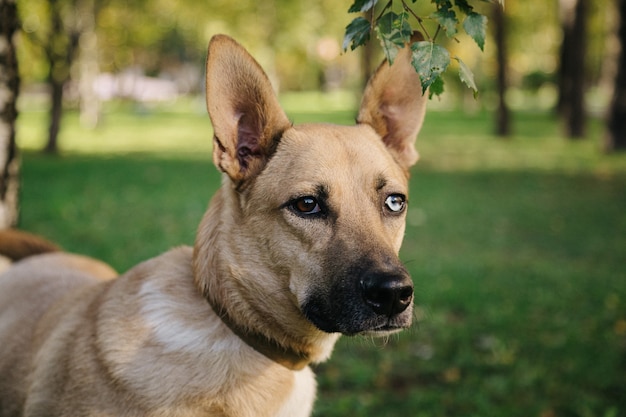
(318, 211)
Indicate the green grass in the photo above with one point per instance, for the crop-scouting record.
(517, 249)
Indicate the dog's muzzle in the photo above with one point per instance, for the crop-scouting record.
(364, 300)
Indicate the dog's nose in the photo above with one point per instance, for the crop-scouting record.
(387, 293)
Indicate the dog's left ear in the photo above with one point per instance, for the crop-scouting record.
(393, 104)
(246, 116)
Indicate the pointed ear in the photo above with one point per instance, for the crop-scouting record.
(244, 110)
(393, 104)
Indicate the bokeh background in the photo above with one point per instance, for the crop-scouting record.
(516, 234)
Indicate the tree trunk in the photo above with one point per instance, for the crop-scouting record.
(616, 126)
(88, 65)
(56, 112)
(9, 90)
(503, 121)
(571, 102)
(60, 49)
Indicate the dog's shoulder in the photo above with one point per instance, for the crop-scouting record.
(155, 314)
(158, 300)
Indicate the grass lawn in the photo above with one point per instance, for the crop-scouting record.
(517, 249)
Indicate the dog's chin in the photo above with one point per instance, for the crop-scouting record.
(381, 332)
(320, 321)
(374, 326)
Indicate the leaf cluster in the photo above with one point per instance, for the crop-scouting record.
(429, 58)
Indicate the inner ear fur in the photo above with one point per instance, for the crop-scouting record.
(394, 105)
(244, 110)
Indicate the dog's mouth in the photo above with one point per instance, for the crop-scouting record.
(392, 326)
(314, 314)
(385, 329)
(378, 332)
(357, 322)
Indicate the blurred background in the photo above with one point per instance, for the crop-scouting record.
(559, 56)
(516, 234)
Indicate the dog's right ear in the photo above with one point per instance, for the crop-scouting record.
(244, 110)
(394, 105)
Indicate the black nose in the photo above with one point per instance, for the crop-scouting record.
(387, 293)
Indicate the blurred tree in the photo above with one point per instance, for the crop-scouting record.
(88, 67)
(616, 126)
(9, 90)
(58, 39)
(429, 57)
(503, 119)
(156, 35)
(572, 78)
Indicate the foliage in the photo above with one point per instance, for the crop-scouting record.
(395, 31)
(155, 35)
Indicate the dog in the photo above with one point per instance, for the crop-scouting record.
(298, 246)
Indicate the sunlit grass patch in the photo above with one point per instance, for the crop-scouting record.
(450, 140)
(178, 128)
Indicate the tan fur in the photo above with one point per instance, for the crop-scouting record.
(17, 244)
(182, 334)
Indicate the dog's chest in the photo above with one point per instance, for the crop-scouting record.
(300, 402)
(185, 358)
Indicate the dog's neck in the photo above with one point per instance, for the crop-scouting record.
(289, 358)
(211, 278)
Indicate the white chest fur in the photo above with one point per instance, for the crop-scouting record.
(175, 353)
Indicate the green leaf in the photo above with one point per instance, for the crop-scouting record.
(447, 19)
(394, 32)
(467, 76)
(357, 33)
(475, 25)
(429, 60)
(463, 6)
(362, 6)
(436, 88)
(389, 48)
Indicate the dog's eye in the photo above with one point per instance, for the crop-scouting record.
(306, 205)
(395, 203)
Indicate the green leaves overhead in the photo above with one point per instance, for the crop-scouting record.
(394, 31)
(357, 33)
(362, 6)
(466, 76)
(447, 20)
(436, 88)
(429, 60)
(476, 26)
